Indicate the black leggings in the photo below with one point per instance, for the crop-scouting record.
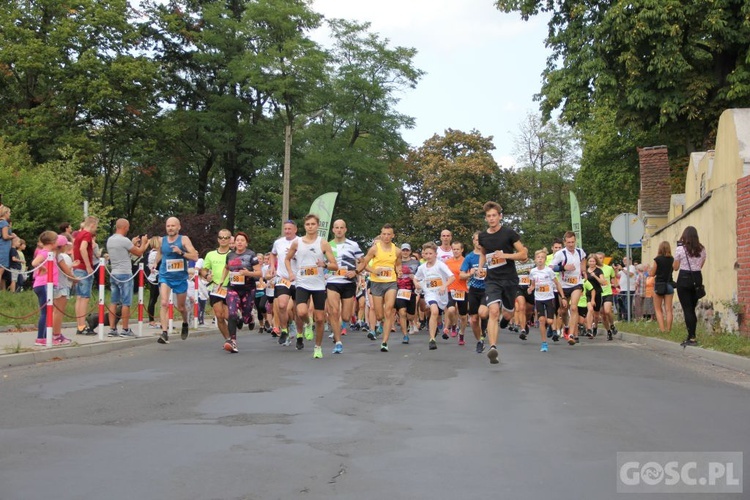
(153, 291)
(688, 298)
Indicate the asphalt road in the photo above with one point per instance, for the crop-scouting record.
(191, 421)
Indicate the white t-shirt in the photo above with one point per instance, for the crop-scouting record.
(431, 279)
(623, 277)
(280, 249)
(544, 283)
(569, 279)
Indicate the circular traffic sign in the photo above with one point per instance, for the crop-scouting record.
(627, 229)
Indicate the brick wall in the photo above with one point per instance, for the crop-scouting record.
(743, 251)
(654, 171)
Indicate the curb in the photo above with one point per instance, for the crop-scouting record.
(81, 351)
(725, 360)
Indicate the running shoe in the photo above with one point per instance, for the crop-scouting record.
(461, 340)
(433, 344)
(445, 335)
(544, 347)
(227, 345)
(405, 339)
(239, 323)
(184, 333)
(480, 347)
(338, 348)
(484, 335)
(555, 337)
(41, 342)
(614, 330)
(251, 325)
(493, 355)
(231, 346)
(163, 338)
(283, 337)
(379, 330)
(309, 334)
(317, 352)
(504, 323)
(82, 332)
(330, 335)
(127, 333)
(589, 334)
(343, 331)
(550, 332)
(414, 328)
(422, 325)
(300, 344)
(595, 331)
(454, 331)
(609, 334)
(113, 333)
(522, 335)
(60, 340)
(371, 335)
(275, 332)
(383, 347)
(571, 340)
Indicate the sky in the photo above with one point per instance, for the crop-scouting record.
(482, 66)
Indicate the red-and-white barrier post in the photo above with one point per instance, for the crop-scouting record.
(50, 294)
(171, 311)
(102, 314)
(140, 299)
(195, 300)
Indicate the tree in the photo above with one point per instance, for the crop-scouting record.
(666, 66)
(548, 158)
(447, 181)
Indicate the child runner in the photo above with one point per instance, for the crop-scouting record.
(542, 280)
(433, 277)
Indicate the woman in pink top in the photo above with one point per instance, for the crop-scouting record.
(48, 242)
(689, 259)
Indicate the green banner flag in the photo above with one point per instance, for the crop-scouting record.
(323, 208)
(575, 218)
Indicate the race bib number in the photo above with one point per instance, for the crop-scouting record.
(220, 292)
(571, 280)
(342, 272)
(496, 262)
(285, 282)
(543, 289)
(308, 271)
(524, 280)
(435, 283)
(384, 273)
(175, 265)
(458, 295)
(481, 274)
(403, 294)
(236, 278)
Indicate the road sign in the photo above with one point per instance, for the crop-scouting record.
(627, 229)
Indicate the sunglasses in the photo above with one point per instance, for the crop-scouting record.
(224, 237)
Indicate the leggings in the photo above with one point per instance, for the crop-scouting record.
(41, 326)
(688, 298)
(152, 300)
(239, 302)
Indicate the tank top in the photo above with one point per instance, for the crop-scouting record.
(309, 275)
(383, 265)
(173, 267)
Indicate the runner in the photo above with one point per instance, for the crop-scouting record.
(595, 276)
(213, 269)
(524, 299)
(173, 253)
(284, 291)
(568, 262)
(341, 286)
(542, 280)
(433, 277)
(242, 269)
(313, 255)
(383, 262)
(120, 247)
(608, 313)
(561, 313)
(406, 298)
(455, 316)
(445, 250)
(497, 245)
(477, 299)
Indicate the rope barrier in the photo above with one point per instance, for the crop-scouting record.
(23, 317)
(112, 276)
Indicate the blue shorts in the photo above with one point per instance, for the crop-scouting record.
(83, 287)
(177, 286)
(122, 289)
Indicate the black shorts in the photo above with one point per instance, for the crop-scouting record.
(598, 303)
(213, 299)
(608, 298)
(545, 308)
(583, 311)
(503, 291)
(461, 305)
(284, 290)
(410, 305)
(319, 297)
(476, 298)
(569, 291)
(523, 291)
(345, 290)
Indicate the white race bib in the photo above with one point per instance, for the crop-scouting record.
(175, 265)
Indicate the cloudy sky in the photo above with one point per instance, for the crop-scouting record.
(482, 66)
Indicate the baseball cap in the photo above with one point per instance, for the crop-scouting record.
(61, 240)
(405, 246)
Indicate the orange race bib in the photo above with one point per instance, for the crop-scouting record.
(342, 272)
(175, 265)
(572, 280)
(384, 273)
(285, 282)
(524, 280)
(544, 288)
(481, 274)
(220, 292)
(403, 294)
(458, 295)
(236, 278)
(308, 271)
(434, 283)
(496, 262)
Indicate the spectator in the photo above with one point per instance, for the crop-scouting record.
(626, 278)
(83, 252)
(61, 291)
(16, 265)
(689, 259)
(661, 269)
(152, 277)
(6, 235)
(46, 245)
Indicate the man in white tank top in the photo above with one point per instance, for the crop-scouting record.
(283, 289)
(445, 250)
(313, 255)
